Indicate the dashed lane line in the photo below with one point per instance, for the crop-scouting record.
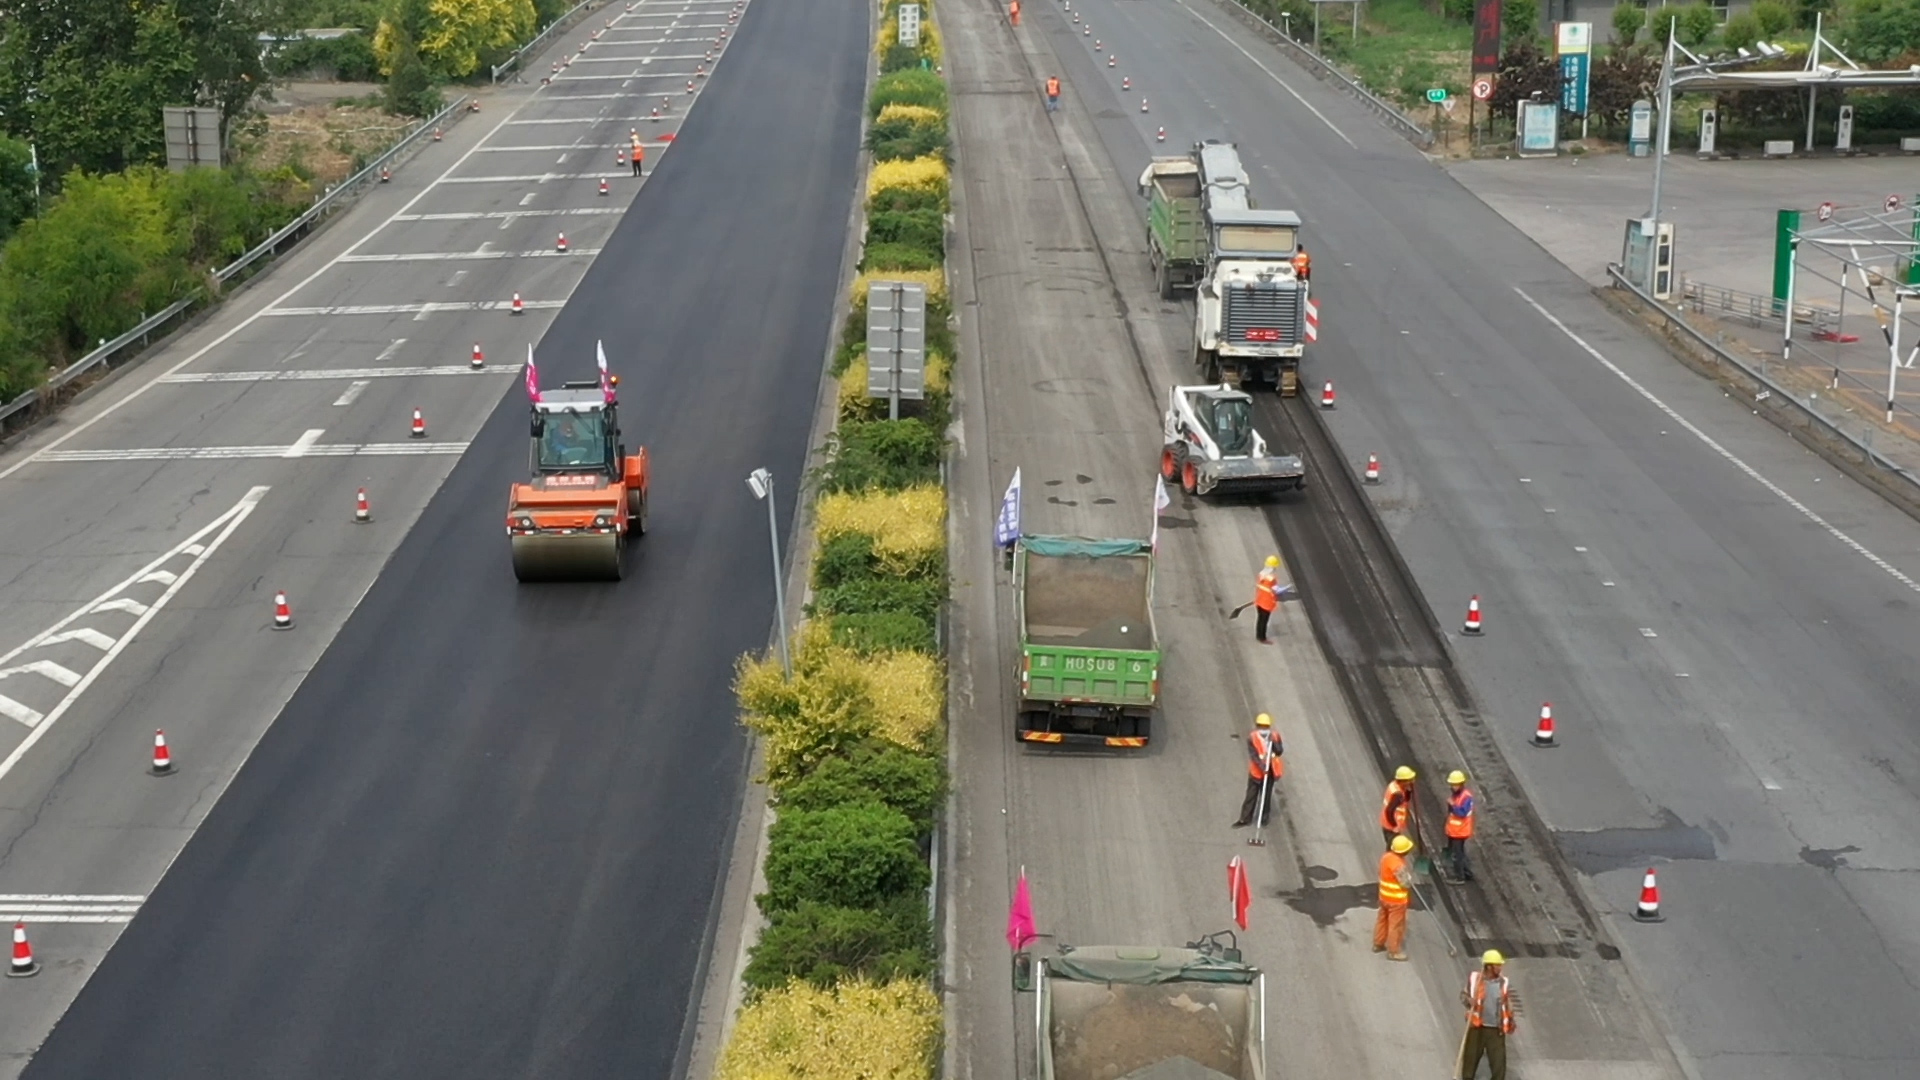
(319, 374)
(248, 453)
(403, 309)
(1284, 85)
(69, 908)
(464, 256)
(1731, 458)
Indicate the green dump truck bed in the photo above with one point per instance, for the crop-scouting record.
(1149, 1013)
(1090, 655)
(1177, 239)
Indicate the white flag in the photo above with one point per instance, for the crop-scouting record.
(606, 379)
(1161, 500)
(1006, 528)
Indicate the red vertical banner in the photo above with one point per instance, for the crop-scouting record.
(1486, 37)
(1239, 890)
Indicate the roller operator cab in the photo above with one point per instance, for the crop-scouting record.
(586, 496)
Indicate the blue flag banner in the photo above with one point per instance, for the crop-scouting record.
(1006, 528)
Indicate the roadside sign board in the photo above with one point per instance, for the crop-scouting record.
(896, 340)
(1437, 95)
(1482, 89)
(193, 137)
(1574, 43)
(910, 24)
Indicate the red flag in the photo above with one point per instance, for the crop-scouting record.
(1020, 929)
(1239, 890)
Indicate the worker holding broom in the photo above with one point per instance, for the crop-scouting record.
(1489, 1002)
(1263, 768)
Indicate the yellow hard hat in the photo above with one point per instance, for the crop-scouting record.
(1401, 845)
(1263, 720)
(1404, 772)
(1456, 777)
(1273, 561)
(1493, 957)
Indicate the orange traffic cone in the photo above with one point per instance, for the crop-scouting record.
(1097, 47)
(603, 187)
(1160, 135)
(1472, 625)
(620, 156)
(656, 113)
(1112, 60)
(24, 965)
(385, 174)
(479, 359)
(1126, 82)
(699, 71)
(162, 758)
(419, 426)
(561, 244)
(1143, 104)
(282, 611)
(1648, 910)
(1372, 475)
(1543, 732)
(518, 308)
(1326, 395)
(362, 510)
(436, 134)
(689, 86)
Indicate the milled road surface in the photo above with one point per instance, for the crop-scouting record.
(1723, 624)
(484, 835)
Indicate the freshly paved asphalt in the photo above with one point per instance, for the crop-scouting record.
(483, 837)
(1733, 681)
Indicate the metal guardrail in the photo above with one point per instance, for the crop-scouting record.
(152, 323)
(1773, 391)
(1752, 308)
(540, 39)
(1419, 136)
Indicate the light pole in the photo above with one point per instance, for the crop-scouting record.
(761, 481)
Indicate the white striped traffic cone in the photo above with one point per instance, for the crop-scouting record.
(1543, 731)
(1143, 104)
(518, 308)
(1648, 910)
(282, 611)
(419, 429)
(162, 757)
(1372, 475)
(1326, 395)
(1472, 625)
(479, 359)
(603, 187)
(561, 244)
(24, 965)
(1126, 82)
(362, 510)
(1160, 135)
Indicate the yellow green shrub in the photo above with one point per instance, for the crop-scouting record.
(927, 174)
(908, 689)
(909, 528)
(828, 704)
(913, 114)
(934, 280)
(855, 1031)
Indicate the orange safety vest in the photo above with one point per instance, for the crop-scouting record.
(1477, 996)
(1396, 808)
(1393, 893)
(1266, 591)
(639, 151)
(1460, 815)
(1053, 87)
(1302, 265)
(1258, 744)
(1014, 7)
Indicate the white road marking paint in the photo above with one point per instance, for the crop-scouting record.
(354, 390)
(1526, 479)
(304, 443)
(65, 676)
(586, 119)
(514, 149)
(1647, 632)
(1607, 584)
(641, 59)
(1283, 83)
(126, 604)
(218, 529)
(456, 256)
(163, 577)
(241, 453)
(319, 374)
(387, 353)
(634, 74)
(540, 178)
(69, 908)
(86, 635)
(1770, 783)
(19, 713)
(527, 198)
(1579, 549)
(1753, 474)
(509, 215)
(403, 309)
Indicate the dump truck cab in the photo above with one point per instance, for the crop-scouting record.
(586, 494)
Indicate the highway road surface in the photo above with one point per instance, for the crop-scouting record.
(1723, 624)
(475, 829)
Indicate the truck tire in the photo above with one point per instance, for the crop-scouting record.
(1171, 459)
(1189, 478)
(1163, 275)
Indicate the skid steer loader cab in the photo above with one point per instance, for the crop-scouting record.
(1229, 419)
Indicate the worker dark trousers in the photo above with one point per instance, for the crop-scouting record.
(1490, 1041)
(1053, 102)
(1261, 615)
(1457, 855)
(1250, 805)
(637, 163)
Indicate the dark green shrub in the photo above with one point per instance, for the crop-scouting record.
(842, 559)
(912, 86)
(905, 199)
(897, 137)
(899, 57)
(889, 454)
(871, 772)
(852, 856)
(917, 597)
(924, 228)
(823, 945)
(348, 59)
(898, 257)
(874, 632)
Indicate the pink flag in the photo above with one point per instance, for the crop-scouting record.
(606, 377)
(533, 377)
(1020, 928)
(1239, 890)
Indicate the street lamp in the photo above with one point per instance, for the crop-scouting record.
(761, 481)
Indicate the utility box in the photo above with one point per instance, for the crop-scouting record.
(1640, 128)
(1777, 148)
(1647, 259)
(1709, 129)
(1843, 137)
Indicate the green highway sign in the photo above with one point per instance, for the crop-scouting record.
(1437, 95)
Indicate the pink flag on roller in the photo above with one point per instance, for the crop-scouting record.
(1020, 929)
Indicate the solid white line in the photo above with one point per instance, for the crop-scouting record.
(641, 59)
(304, 443)
(246, 453)
(488, 215)
(70, 920)
(1283, 83)
(125, 603)
(67, 898)
(316, 374)
(89, 636)
(1752, 473)
(536, 178)
(226, 523)
(407, 309)
(465, 256)
(584, 119)
(11, 911)
(634, 74)
(624, 143)
(13, 710)
(353, 390)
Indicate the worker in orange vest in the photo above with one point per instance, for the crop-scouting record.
(1053, 92)
(1489, 1022)
(1013, 11)
(1266, 597)
(1302, 265)
(639, 154)
(1459, 825)
(1396, 806)
(1390, 927)
(1264, 767)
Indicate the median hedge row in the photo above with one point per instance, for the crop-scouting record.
(839, 983)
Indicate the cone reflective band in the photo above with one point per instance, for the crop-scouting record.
(1472, 625)
(419, 430)
(603, 187)
(1143, 104)
(1326, 395)
(1160, 135)
(1543, 732)
(479, 358)
(362, 512)
(561, 244)
(1372, 475)
(1648, 910)
(282, 612)
(1126, 82)
(24, 964)
(162, 759)
(518, 308)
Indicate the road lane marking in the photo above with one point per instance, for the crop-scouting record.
(354, 389)
(1283, 83)
(126, 604)
(19, 713)
(586, 119)
(86, 635)
(1647, 632)
(457, 256)
(549, 149)
(634, 74)
(213, 534)
(248, 453)
(69, 908)
(317, 374)
(59, 673)
(534, 178)
(161, 577)
(488, 215)
(1752, 473)
(304, 443)
(406, 309)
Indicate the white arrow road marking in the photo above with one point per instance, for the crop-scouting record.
(65, 676)
(126, 604)
(89, 636)
(68, 908)
(201, 545)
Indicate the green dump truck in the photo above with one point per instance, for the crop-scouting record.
(1177, 236)
(1089, 654)
(1129, 1012)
